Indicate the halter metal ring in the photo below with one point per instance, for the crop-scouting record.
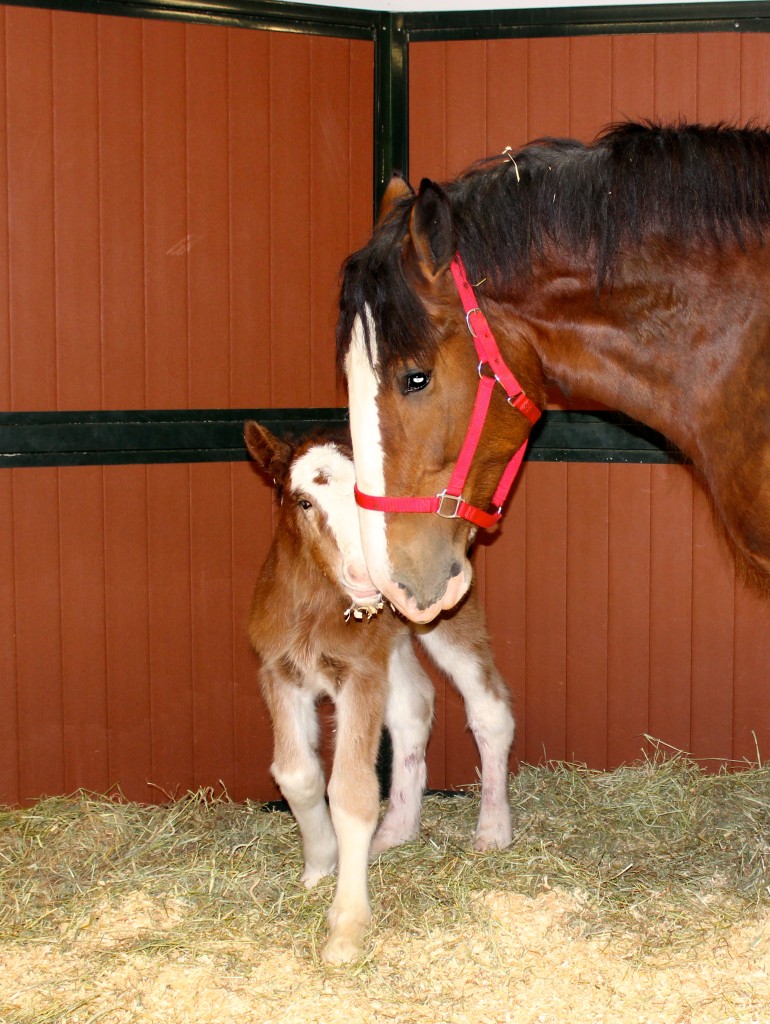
(475, 309)
(449, 513)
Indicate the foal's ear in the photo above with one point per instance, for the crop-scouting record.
(398, 187)
(431, 230)
(268, 451)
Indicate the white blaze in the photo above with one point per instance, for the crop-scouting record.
(363, 385)
(327, 476)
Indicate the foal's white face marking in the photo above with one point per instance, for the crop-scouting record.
(326, 476)
(363, 385)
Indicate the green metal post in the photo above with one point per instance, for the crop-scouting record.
(391, 102)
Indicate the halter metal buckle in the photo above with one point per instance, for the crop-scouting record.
(475, 309)
(451, 513)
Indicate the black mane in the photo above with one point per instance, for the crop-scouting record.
(692, 181)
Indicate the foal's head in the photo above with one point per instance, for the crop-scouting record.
(318, 514)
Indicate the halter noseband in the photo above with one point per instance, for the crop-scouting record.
(449, 503)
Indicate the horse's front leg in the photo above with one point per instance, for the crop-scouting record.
(354, 803)
(460, 647)
(408, 716)
(297, 770)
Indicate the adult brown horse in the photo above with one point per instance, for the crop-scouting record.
(634, 271)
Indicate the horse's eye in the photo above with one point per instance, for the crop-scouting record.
(304, 503)
(416, 380)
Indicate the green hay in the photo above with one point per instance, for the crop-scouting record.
(660, 851)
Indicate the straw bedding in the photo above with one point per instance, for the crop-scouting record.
(638, 895)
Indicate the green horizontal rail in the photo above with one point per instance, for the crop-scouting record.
(216, 435)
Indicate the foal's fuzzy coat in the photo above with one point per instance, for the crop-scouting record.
(315, 573)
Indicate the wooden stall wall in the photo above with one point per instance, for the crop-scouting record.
(614, 611)
(175, 203)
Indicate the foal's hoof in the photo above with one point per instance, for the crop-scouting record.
(347, 934)
(312, 876)
(341, 950)
(492, 839)
(386, 839)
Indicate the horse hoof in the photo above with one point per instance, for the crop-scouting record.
(312, 876)
(387, 840)
(341, 949)
(484, 842)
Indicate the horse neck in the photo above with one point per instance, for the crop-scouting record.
(651, 343)
(295, 583)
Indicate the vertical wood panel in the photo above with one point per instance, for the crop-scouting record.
(546, 670)
(587, 612)
(76, 213)
(6, 365)
(167, 238)
(212, 622)
(250, 234)
(289, 200)
(9, 724)
(360, 143)
(83, 626)
(713, 636)
(671, 605)
(129, 704)
(466, 102)
(169, 618)
(507, 97)
(755, 77)
(676, 77)
(628, 595)
(428, 111)
(38, 633)
(590, 84)
(633, 76)
(548, 87)
(719, 78)
(121, 213)
(329, 198)
(208, 217)
(751, 729)
(31, 304)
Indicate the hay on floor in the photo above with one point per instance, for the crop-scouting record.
(634, 895)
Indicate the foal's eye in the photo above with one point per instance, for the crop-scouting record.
(416, 380)
(304, 503)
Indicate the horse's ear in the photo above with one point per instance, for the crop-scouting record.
(431, 230)
(398, 187)
(268, 451)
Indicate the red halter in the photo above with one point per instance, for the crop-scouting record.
(449, 503)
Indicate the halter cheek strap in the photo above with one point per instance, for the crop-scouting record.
(449, 503)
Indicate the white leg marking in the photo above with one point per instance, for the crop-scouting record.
(354, 805)
(408, 716)
(489, 716)
(350, 913)
(297, 770)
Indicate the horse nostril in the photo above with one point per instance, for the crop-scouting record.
(455, 569)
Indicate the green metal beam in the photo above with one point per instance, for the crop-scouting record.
(391, 103)
(749, 16)
(216, 435)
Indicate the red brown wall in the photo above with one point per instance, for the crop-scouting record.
(175, 203)
(614, 612)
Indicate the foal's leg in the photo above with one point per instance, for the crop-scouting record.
(460, 647)
(354, 800)
(408, 716)
(297, 770)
